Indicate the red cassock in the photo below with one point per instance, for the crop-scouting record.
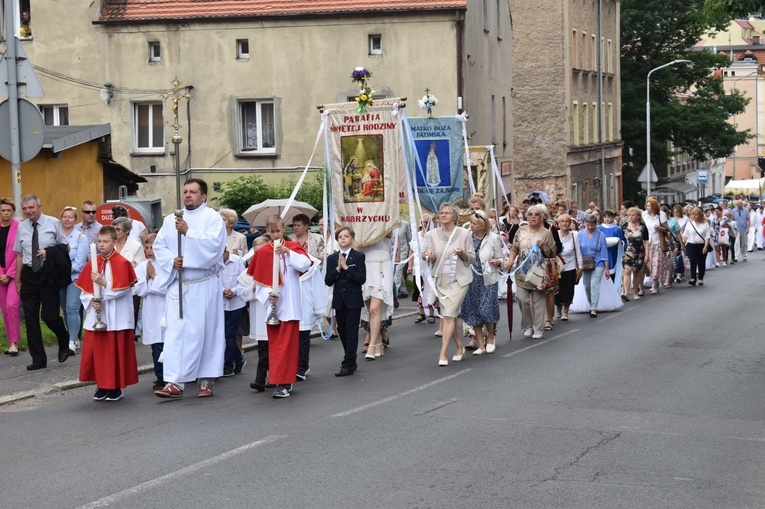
(108, 357)
(283, 341)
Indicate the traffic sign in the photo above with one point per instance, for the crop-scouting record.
(31, 130)
(703, 177)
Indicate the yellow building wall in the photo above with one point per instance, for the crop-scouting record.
(70, 179)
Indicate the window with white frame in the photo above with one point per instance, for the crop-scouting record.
(610, 121)
(586, 121)
(242, 49)
(155, 53)
(148, 128)
(257, 127)
(55, 114)
(23, 22)
(375, 44)
(575, 124)
(594, 53)
(610, 58)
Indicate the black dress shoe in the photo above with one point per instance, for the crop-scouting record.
(63, 355)
(34, 366)
(344, 372)
(257, 386)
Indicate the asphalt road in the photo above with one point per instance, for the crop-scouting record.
(658, 405)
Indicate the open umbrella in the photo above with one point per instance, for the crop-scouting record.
(257, 214)
(541, 195)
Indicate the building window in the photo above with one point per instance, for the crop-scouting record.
(55, 114)
(242, 49)
(574, 49)
(586, 126)
(148, 128)
(375, 44)
(610, 121)
(610, 56)
(594, 53)
(499, 21)
(22, 25)
(257, 127)
(575, 123)
(155, 54)
(585, 61)
(595, 124)
(486, 16)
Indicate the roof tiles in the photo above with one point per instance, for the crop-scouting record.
(151, 10)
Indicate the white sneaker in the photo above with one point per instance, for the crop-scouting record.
(490, 347)
(438, 333)
(72, 347)
(528, 332)
(537, 335)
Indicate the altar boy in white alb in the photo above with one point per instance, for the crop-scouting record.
(194, 344)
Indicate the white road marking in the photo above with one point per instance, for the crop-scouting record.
(400, 394)
(178, 473)
(540, 343)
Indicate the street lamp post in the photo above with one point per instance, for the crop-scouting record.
(735, 149)
(648, 117)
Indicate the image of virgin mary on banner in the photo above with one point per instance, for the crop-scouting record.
(438, 161)
(366, 167)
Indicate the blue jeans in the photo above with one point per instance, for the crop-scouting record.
(70, 305)
(592, 279)
(231, 327)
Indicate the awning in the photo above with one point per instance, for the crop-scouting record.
(678, 187)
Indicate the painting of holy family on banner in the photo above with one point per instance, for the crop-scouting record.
(363, 163)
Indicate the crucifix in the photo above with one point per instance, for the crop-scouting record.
(175, 94)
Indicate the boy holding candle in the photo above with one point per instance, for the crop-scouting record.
(275, 269)
(108, 357)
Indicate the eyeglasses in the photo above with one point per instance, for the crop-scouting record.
(532, 214)
(88, 211)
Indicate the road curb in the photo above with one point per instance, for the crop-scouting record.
(146, 368)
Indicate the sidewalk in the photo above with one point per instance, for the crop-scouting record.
(16, 383)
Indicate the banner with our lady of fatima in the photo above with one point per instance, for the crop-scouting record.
(366, 163)
(437, 161)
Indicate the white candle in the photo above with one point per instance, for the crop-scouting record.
(275, 279)
(459, 102)
(94, 268)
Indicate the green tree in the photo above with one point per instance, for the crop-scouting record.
(243, 192)
(688, 105)
(733, 8)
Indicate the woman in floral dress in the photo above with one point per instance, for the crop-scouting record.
(636, 234)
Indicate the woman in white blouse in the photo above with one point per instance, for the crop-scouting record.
(696, 237)
(572, 268)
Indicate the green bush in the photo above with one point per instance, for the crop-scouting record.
(244, 192)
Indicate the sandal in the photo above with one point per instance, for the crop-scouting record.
(548, 325)
(431, 319)
(420, 318)
(365, 348)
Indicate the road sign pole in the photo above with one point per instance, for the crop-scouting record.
(13, 96)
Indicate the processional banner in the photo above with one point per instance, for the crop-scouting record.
(438, 161)
(366, 165)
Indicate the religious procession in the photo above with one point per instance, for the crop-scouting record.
(409, 205)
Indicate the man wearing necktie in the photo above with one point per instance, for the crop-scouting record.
(35, 234)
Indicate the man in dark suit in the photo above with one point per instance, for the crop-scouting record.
(347, 271)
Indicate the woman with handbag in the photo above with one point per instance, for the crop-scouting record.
(451, 254)
(636, 234)
(572, 266)
(481, 306)
(656, 222)
(530, 298)
(594, 260)
(697, 236)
